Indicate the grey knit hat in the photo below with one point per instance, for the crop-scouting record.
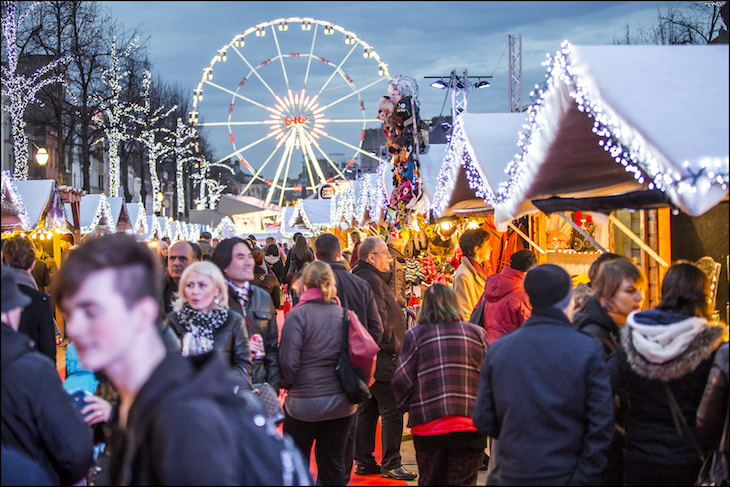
(548, 286)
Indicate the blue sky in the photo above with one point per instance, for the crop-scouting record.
(414, 38)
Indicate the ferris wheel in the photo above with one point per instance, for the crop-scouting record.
(290, 96)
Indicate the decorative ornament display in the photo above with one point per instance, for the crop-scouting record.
(18, 90)
(400, 114)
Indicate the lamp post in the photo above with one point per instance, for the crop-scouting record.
(41, 155)
(460, 84)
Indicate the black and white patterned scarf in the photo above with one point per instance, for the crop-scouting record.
(200, 328)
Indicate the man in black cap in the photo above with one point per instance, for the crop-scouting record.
(39, 418)
(545, 393)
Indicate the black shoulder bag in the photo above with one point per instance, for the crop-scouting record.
(351, 379)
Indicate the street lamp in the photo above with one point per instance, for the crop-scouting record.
(41, 155)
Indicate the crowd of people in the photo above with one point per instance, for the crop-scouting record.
(539, 388)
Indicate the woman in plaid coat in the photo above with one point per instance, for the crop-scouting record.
(436, 381)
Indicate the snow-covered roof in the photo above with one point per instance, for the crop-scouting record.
(313, 214)
(288, 230)
(42, 201)
(94, 211)
(137, 217)
(119, 212)
(14, 213)
(617, 119)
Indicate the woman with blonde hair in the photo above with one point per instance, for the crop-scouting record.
(316, 407)
(203, 321)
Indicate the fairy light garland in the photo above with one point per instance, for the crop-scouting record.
(20, 90)
(13, 198)
(343, 205)
(627, 147)
(457, 154)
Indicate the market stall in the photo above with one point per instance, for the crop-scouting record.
(95, 215)
(120, 213)
(137, 218)
(606, 126)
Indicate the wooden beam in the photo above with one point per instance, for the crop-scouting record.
(637, 240)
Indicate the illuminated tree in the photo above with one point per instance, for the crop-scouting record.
(20, 90)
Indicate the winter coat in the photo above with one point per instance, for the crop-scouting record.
(277, 267)
(269, 283)
(355, 294)
(355, 257)
(398, 280)
(594, 321)
(391, 316)
(507, 305)
(651, 435)
(36, 319)
(468, 286)
(39, 419)
(294, 264)
(177, 432)
(713, 407)
(169, 294)
(230, 340)
(438, 370)
(311, 339)
(545, 394)
(260, 316)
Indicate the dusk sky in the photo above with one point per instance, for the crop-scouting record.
(414, 38)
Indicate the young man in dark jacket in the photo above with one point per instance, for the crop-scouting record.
(233, 257)
(373, 266)
(39, 418)
(355, 294)
(545, 392)
(172, 427)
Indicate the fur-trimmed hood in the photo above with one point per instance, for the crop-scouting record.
(701, 347)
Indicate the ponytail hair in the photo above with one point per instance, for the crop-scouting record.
(319, 274)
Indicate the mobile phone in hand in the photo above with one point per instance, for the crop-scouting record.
(79, 396)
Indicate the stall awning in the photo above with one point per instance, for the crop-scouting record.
(137, 217)
(313, 214)
(481, 146)
(41, 200)
(119, 212)
(620, 119)
(94, 211)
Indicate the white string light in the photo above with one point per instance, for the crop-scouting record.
(207, 184)
(225, 229)
(103, 209)
(626, 146)
(148, 120)
(116, 111)
(185, 141)
(19, 90)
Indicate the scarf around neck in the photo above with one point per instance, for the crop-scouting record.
(199, 329)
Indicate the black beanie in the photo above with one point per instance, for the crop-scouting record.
(522, 260)
(548, 285)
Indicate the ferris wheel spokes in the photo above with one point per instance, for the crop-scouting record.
(337, 70)
(253, 71)
(311, 55)
(286, 178)
(238, 151)
(258, 171)
(238, 95)
(326, 157)
(287, 150)
(281, 58)
(352, 94)
(335, 139)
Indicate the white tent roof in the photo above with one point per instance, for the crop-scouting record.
(137, 217)
(119, 211)
(431, 163)
(481, 146)
(41, 198)
(313, 214)
(616, 119)
(94, 211)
